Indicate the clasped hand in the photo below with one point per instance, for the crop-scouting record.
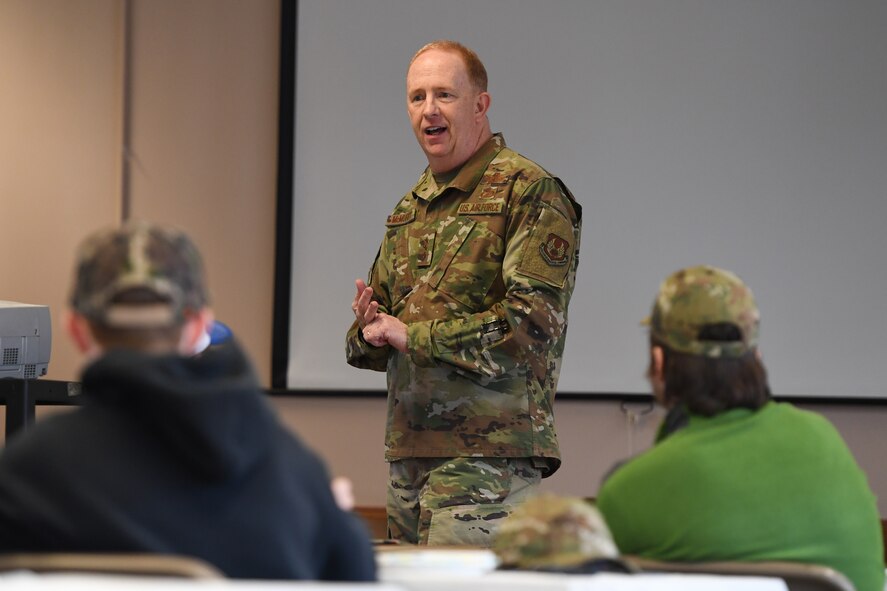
(378, 328)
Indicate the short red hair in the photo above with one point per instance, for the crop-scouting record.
(477, 73)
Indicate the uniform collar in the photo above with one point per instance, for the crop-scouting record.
(468, 176)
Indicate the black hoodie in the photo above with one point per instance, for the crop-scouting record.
(179, 456)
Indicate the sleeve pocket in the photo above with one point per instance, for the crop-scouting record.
(549, 252)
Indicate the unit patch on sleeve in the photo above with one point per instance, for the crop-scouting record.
(554, 250)
(548, 253)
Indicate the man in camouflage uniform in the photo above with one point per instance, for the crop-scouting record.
(466, 309)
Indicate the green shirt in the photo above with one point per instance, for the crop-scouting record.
(776, 484)
(481, 270)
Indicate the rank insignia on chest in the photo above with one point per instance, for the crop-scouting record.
(425, 249)
(554, 250)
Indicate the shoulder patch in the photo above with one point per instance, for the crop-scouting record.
(555, 250)
(549, 252)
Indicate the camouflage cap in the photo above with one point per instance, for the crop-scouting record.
(551, 532)
(138, 256)
(697, 296)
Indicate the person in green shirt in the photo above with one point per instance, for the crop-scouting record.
(743, 478)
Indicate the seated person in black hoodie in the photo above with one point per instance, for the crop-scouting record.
(170, 452)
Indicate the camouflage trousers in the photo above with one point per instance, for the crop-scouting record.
(455, 501)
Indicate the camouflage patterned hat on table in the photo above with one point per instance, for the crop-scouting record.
(698, 296)
(550, 532)
(153, 259)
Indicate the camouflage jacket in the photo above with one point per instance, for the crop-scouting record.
(481, 271)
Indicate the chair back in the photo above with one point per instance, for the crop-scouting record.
(798, 576)
(157, 565)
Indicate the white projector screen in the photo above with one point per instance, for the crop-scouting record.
(748, 135)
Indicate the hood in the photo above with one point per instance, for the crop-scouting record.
(207, 409)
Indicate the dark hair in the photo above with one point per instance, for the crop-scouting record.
(708, 386)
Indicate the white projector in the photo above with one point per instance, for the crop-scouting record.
(25, 340)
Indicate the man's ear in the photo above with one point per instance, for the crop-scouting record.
(482, 105)
(78, 329)
(196, 326)
(657, 362)
(656, 374)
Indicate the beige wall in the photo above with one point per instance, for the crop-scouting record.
(593, 436)
(204, 144)
(202, 150)
(60, 126)
(202, 155)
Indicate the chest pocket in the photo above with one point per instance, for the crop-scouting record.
(471, 261)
